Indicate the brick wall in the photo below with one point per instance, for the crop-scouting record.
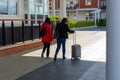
(17, 48)
(94, 4)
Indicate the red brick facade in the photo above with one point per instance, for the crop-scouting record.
(57, 4)
(94, 4)
(81, 4)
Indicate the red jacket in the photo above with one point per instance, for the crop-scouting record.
(48, 37)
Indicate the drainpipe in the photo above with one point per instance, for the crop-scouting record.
(113, 40)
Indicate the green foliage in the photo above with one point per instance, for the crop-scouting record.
(54, 18)
(84, 23)
(72, 24)
(101, 22)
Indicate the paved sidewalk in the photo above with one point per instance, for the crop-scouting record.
(30, 66)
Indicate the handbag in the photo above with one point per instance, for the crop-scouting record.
(42, 31)
(55, 35)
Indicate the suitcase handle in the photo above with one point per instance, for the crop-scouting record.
(74, 38)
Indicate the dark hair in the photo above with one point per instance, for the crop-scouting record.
(47, 20)
(64, 20)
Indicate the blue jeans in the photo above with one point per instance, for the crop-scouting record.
(59, 42)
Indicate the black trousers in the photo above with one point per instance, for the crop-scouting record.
(46, 46)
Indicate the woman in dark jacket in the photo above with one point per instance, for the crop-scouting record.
(63, 30)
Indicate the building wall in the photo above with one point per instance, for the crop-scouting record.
(80, 17)
(57, 5)
(94, 4)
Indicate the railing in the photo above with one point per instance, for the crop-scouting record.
(15, 30)
(71, 6)
(103, 7)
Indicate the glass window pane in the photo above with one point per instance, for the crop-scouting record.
(46, 10)
(32, 8)
(26, 8)
(3, 7)
(41, 10)
(13, 8)
(40, 1)
(31, 0)
(25, 0)
(46, 1)
(88, 2)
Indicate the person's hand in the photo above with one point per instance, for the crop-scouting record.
(73, 31)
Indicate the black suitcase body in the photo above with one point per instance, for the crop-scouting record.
(76, 49)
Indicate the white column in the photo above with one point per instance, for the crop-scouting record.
(98, 3)
(53, 7)
(95, 17)
(35, 15)
(77, 15)
(44, 10)
(113, 40)
(98, 15)
(62, 8)
(29, 14)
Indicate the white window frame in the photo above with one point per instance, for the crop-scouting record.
(8, 2)
(87, 2)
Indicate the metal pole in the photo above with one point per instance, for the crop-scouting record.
(23, 33)
(3, 33)
(12, 32)
(39, 28)
(32, 30)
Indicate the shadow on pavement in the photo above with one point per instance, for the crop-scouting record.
(60, 70)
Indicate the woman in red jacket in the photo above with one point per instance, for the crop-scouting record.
(47, 38)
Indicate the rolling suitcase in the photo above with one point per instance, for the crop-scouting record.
(76, 49)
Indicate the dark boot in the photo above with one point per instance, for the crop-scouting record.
(55, 57)
(64, 57)
(42, 55)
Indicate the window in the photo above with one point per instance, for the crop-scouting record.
(8, 8)
(32, 8)
(71, 2)
(4, 7)
(40, 1)
(46, 1)
(25, 0)
(46, 10)
(87, 2)
(13, 8)
(39, 9)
